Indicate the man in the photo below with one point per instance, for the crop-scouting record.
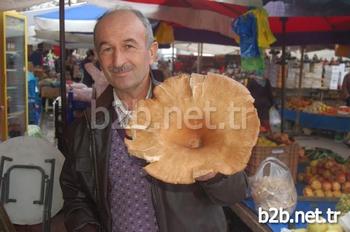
(89, 60)
(106, 189)
(346, 89)
(37, 56)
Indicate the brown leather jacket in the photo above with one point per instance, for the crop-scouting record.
(186, 208)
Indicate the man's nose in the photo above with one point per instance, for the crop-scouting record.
(118, 58)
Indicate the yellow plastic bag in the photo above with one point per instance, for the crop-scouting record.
(165, 34)
(265, 36)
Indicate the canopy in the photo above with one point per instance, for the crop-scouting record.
(18, 4)
(205, 22)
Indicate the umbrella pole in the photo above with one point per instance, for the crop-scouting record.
(63, 76)
(297, 120)
(199, 56)
(173, 58)
(283, 63)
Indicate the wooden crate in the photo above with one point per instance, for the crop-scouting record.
(287, 154)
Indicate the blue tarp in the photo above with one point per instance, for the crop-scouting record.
(84, 12)
(317, 121)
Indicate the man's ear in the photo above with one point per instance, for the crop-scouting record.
(153, 50)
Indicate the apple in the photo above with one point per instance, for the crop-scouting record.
(308, 192)
(326, 186)
(341, 178)
(320, 171)
(348, 176)
(308, 178)
(335, 186)
(329, 164)
(328, 193)
(337, 193)
(316, 184)
(319, 193)
(327, 174)
(346, 187)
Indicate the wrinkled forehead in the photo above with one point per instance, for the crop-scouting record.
(119, 26)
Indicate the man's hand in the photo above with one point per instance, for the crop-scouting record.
(206, 177)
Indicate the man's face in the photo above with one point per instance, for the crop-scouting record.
(121, 47)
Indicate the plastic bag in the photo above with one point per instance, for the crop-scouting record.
(252, 64)
(273, 187)
(165, 34)
(344, 221)
(275, 118)
(245, 27)
(34, 131)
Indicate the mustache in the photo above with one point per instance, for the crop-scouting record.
(120, 69)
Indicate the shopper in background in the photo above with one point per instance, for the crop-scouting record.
(89, 60)
(37, 57)
(33, 96)
(261, 90)
(106, 189)
(346, 89)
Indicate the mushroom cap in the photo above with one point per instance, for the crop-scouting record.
(194, 125)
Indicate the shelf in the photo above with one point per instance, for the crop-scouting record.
(11, 70)
(12, 52)
(12, 87)
(15, 114)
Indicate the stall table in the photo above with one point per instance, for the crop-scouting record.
(336, 123)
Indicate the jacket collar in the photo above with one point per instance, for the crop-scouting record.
(106, 98)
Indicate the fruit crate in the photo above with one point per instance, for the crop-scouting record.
(288, 154)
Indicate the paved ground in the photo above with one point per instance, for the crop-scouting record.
(47, 126)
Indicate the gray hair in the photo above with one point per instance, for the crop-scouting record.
(138, 14)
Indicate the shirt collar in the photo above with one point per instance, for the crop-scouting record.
(123, 113)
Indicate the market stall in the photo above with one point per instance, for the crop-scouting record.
(322, 183)
(338, 123)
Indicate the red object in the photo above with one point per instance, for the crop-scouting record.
(56, 50)
(312, 28)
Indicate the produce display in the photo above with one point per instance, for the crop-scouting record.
(326, 178)
(298, 103)
(183, 138)
(345, 110)
(343, 204)
(321, 153)
(316, 107)
(321, 227)
(274, 140)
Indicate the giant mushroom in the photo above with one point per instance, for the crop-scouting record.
(192, 126)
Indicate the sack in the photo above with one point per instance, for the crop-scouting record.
(273, 187)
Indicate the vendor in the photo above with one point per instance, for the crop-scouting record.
(346, 89)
